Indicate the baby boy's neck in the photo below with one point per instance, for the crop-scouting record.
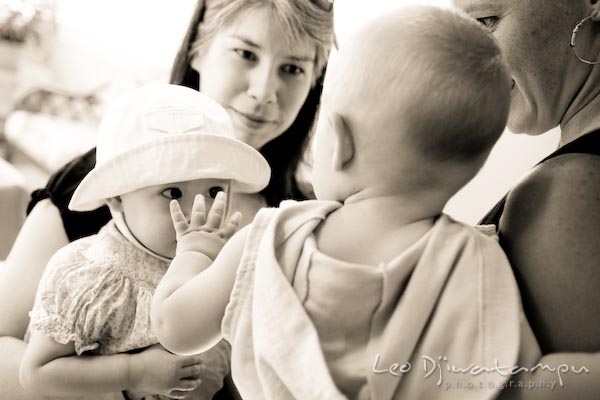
(373, 229)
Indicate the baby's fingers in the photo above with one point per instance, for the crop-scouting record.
(217, 211)
(175, 394)
(184, 388)
(179, 222)
(232, 225)
(198, 217)
(187, 385)
(181, 394)
(190, 371)
(187, 361)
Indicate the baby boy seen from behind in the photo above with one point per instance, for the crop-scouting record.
(320, 299)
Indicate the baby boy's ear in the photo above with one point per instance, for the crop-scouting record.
(343, 146)
(115, 204)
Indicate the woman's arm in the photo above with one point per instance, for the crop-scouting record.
(52, 369)
(41, 235)
(47, 369)
(185, 288)
(550, 231)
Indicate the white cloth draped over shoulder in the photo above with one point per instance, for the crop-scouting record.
(459, 300)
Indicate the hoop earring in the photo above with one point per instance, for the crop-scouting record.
(572, 43)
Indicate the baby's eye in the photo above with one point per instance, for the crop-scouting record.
(292, 69)
(172, 193)
(489, 22)
(213, 191)
(246, 54)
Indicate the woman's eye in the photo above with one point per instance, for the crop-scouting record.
(246, 55)
(292, 69)
(489, 22)
(213, 191)
(172, 193)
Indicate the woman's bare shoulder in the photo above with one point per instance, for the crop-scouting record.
(566, 188)
(550, 230)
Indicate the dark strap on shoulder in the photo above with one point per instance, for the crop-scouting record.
(586, 144)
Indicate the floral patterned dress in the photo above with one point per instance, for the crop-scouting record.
(96, 292)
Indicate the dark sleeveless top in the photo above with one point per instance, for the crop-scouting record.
(586, 144)
(62, 185)
(60, 189)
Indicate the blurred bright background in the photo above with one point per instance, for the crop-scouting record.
(93, 50)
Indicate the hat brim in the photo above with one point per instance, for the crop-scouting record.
(172, 159)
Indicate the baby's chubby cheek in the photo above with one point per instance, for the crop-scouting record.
(168, 243)
(158, 237)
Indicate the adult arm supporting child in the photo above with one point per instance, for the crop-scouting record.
(549, 222)
(50, 366)
(190, 283)
(548, 231)
(42, 234)
(47, 368)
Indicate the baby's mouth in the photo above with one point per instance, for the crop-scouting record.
(512, 84)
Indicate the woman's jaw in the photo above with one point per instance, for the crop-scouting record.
(253, 128)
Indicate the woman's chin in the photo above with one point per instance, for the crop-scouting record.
(256, 134)
(524, 117)
(251, 138)
(523, 124)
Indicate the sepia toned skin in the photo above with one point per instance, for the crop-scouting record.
(372, 175)
(256, 77)
(44, 232)
(551, 221)
(146, 210)
(50, 367)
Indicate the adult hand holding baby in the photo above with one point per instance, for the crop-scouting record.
(204, 234)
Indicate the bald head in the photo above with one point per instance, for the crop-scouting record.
(425, 77)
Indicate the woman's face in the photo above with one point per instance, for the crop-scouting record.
(534, 36)
(262, 83)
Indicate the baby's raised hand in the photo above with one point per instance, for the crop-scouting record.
(204, 233)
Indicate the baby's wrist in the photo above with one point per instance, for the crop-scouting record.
(195, 253)
(204, 244)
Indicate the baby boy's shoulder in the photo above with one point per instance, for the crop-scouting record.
(482, 240)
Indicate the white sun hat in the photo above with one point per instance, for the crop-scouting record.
(160, 134)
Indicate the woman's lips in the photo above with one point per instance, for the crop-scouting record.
(251, 120)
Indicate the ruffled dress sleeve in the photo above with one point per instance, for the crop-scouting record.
(86, 297)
